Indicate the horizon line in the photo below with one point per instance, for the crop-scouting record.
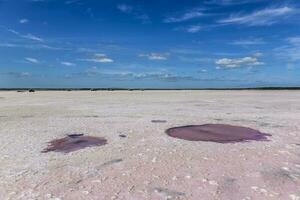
(139, 89)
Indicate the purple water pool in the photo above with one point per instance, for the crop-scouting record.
(220, 133)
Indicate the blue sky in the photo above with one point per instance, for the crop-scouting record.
(149, 44)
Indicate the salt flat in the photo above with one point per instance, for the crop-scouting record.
(145, 163)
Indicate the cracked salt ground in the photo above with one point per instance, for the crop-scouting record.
(147, 159)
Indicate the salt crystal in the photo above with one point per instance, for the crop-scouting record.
(263, 190)
(285, 168)
(212, 182)
(294, 197)
(188, 177)
(85, 192)
(255, 188)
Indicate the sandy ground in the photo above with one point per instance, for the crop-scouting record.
(148, 164)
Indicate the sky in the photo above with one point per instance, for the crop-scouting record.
(149, 44)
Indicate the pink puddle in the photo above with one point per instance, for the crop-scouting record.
(220, 133)
(74, 142)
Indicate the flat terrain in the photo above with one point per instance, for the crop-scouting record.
(147, 163)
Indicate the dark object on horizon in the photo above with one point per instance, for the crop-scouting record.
(111, 162)
(220, 133)
(75, 135)
(74, 142)
(122, 136)
(158, 121)
(27, 116)
(90, 116)
(31, 90)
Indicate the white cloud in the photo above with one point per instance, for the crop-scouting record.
(191, 14)
(23, 21)
(161, 76)
(194, 29)
(138, 13)
(87, 50)
(32, 37)
(144, 18)
(100, 55)
(229, 63)
(9, 45)
(291, 51)
(32, 60)
(203, 70)
(24, 74)
(155, 56)
(72, 1)
(186, 51)
(125, 8)
(69, 64)
(263, 17)
(102, 58)
(13, 31)
(39, 0)
(27, 36)
(43, 46)
(99, 58)
(294, 40)
(230, 2)
(32, 46)
(128, 75)
(258, 54)
(19, 74)
(195, 59)
(92, 71)
(248, 42)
